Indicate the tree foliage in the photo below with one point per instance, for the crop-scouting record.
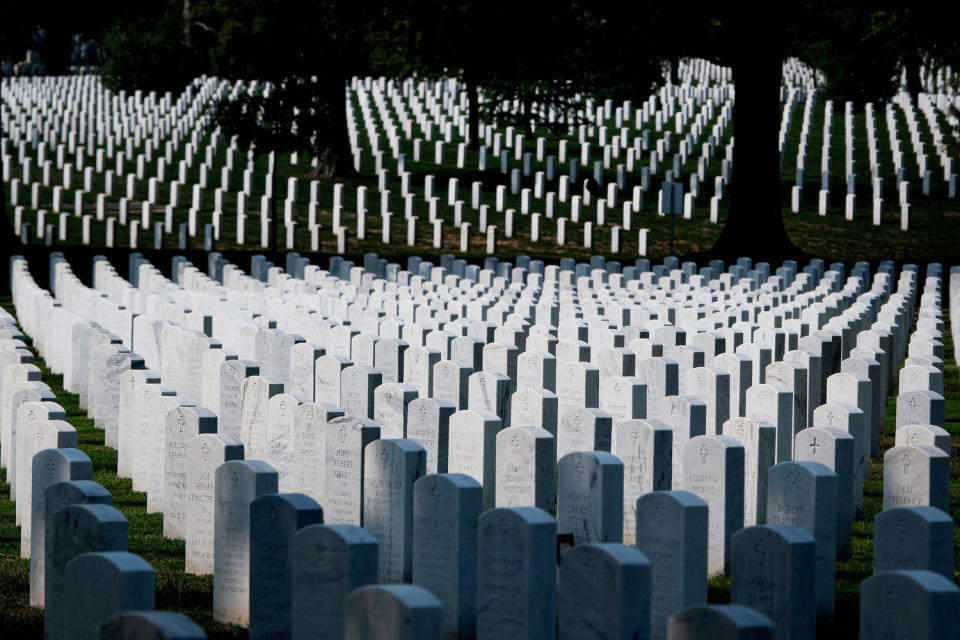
(147, 52)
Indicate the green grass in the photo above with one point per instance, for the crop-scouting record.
(175, 590)
(192, 595)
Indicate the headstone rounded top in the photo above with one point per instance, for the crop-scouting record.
(151, 625)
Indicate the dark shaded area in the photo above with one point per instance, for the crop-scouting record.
(542, 52)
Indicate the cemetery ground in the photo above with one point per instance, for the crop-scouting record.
(934, 226)
(192, 595)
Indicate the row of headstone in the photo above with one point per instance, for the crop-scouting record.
(699, 453)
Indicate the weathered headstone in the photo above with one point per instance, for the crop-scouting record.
(450, 382)
(309, 434)
(446, 512)
(687, 416)
(624, 398)
(275, 520)
(34, 436)
(100, 585)
(232, 375)
(913, 538)
(526, 468)
(344, 444)
(75, 529)
(759, 452)
(773, 404)
(773, 572)
(671, 530)
(473, 449)
(390, 408)
(834, 449)
(329, 562)
(804, 494)
(357, 384)
(589, 496)
(604, 591)
(129, 381)
(646, 449)
(927, 434)
(921, 407)
(713, 470)
(916, 604)
(914, 476)
(391, 467)
(50, 466)
(182, 425)
(327, 383)
(719, 622)
(151, 625)
(854, 390)
(237, 484)
(850, 419)
(280, 438)
(428, 424)
(255, 402)
(394, 611)
(205, 453)
(516, 574)
(583, 429)
(661, 376)
(303, 370)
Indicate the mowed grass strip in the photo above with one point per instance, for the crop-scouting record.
(175, 590)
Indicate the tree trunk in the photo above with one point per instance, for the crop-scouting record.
(187, 23)
(334, 159)
(6, 227)
(754, 225)
(473, 115)
(911, 63)
(274, 224)
(675, 70)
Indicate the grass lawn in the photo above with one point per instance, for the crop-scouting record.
(193, 595)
